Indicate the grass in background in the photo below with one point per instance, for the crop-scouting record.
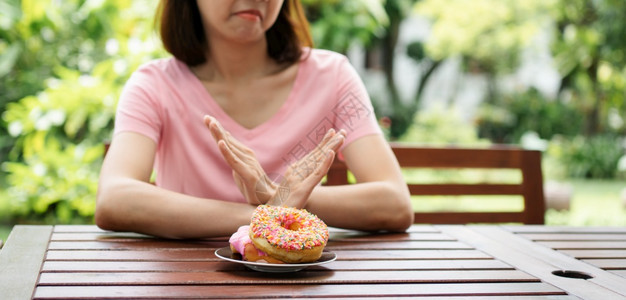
(594, 203)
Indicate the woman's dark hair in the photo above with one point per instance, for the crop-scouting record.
(180, 26)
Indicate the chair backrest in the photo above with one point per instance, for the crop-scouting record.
(528, 162)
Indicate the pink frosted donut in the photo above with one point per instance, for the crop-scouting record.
(241, 243)
(289, 234)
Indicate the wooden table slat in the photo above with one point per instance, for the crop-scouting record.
(132, 255)
(303, 277)
(78, 228)
(411, 254)
(134, 245)
(595, 253)
(616, 245)
(347, 245)
(522, 229)
(304, 291)
(159, 244)
(413, 229)
(99, 236)
(204, 254)
(418, 236)
(362, 237)
(590, 236)
(607, 264)
(219, 265)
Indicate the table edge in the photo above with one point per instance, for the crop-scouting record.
(21, 259)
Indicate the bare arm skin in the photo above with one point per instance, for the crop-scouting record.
(126, 201)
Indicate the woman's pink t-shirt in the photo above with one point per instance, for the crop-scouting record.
(164, 101)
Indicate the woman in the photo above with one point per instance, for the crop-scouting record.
(243, 114)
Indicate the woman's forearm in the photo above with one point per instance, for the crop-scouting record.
(126, 204)
(130, 205)
(379, 205)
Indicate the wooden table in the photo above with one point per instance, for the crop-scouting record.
(460, 262)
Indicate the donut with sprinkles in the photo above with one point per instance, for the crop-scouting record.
(288, 234)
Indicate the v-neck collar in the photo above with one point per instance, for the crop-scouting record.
(231, 124)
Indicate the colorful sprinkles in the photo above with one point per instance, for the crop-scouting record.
(288, 228)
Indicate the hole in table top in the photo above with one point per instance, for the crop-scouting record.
(572, 274)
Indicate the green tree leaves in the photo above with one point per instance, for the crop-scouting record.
(62, 86)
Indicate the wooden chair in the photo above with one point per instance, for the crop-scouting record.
(496, 157)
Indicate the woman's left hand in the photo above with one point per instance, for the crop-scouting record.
(304, 175)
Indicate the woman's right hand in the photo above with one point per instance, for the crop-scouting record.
(248, 174)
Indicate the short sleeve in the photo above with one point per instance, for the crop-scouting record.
(354, 110)
(138, 109)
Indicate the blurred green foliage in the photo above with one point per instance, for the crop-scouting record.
(442, 126)
(587, 45)
(590, 54)
(59, 139)
(64, 64)
(337, 25)
(586, 120)
(589, 157)
(402, 110)
(520, 113)
(488, 34)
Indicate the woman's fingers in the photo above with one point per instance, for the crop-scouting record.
(336, 141)
(299, 183)
(320, 170)
(236, 147)
(214, 127)
(331, 142)
(234, 161)
(219, 133)
(304, 175)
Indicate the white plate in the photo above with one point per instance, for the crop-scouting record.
(226, 254)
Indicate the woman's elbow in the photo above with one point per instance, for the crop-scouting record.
(401, 211)
(103, 220)
(403, 219)
(104, 216)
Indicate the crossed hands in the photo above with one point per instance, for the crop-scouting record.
(296, 184)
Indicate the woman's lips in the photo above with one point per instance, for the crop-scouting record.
(252, 15)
